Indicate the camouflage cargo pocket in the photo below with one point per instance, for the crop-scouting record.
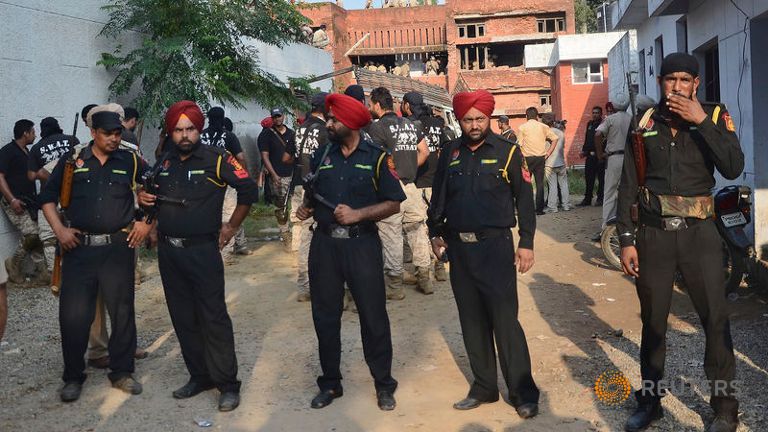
(700, 207)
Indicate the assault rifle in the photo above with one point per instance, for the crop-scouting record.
(149, 183)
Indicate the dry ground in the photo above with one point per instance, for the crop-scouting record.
(570, 305)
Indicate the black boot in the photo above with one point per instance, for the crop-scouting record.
(645, 414)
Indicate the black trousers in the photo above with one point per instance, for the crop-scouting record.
(697, 253)
(359, 263)
(594, 170)
(193, 280)
(485, 288)
(86, 270)
(536, 167)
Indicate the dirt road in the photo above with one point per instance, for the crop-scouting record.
(570, 307)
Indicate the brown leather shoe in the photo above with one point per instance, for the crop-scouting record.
(140, 354)
(99, 363)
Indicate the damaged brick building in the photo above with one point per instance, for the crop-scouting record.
(477, 44)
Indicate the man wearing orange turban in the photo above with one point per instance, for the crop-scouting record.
(192, 178)
(481, 180)
(353, 189)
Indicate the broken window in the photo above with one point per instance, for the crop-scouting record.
(474, 57)
(587, 72)
(510, 54)
(471, 30)
(551, 25)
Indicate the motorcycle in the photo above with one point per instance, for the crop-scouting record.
(732, 214)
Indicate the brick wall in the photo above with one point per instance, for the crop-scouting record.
(574, 102)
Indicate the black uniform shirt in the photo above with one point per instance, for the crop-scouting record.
(276, 144)
(201, 180)
(102, 195)
(222, 139)
(360, 180)
(477, 195)
(310, 136)
(433, 132)
(13, 165)
(589, 137)
(49, 149)
(401, 137)
(683, 165)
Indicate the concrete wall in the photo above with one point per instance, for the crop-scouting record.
(48, 68)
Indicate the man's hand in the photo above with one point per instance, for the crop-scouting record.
(689, 110)
(138, 234)
(145, 198)
(439, 246)
(226, 234)
(629, 261)
(346, 215)
(67, 238)
(17, 206)
(304, 213)
(524, 260)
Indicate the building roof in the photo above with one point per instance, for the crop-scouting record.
(399, 86)
(569, 48)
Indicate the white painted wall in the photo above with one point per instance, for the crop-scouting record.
(622, 58)
(48, 55)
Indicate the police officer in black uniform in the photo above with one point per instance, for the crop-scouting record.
(98, 244)
(353, 189)
(684, 143)
(190, 237)
(481, 182)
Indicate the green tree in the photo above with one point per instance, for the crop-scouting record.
(199, 50)
(586, 15)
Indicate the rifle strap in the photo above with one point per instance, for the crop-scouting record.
(218, 167)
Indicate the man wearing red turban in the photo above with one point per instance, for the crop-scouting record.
(185, 108)
(481, 180)
(353, 189)
(193, 179)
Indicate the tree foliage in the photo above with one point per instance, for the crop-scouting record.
(586, 15)
(199, 50)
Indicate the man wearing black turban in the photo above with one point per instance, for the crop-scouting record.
(684, 141)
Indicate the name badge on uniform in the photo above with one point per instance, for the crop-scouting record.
(117, 171)
(488, 161)
(650, 134)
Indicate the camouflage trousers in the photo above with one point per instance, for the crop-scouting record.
(29, 243)
(283, 185)
(239, 241)
(410, 222)
(48, 238)
(301, 237)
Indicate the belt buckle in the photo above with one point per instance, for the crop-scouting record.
(99, 240)
(176, 242)
(468, 237)
(340, 232)
(676, 223)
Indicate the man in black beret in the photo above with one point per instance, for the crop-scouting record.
(684, 141)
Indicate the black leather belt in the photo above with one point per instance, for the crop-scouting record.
(619, 152)
(671, 223)
(347, 231)
(185, 242)
(478, 236)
